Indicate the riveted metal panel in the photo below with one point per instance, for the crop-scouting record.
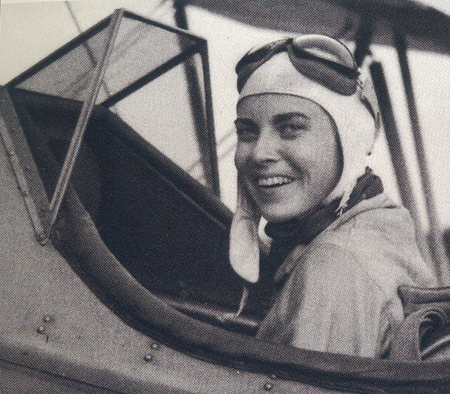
(18, 379)
(54, 327)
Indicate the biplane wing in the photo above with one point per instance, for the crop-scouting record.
(425, 27)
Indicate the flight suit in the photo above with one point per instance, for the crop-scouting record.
(339, 293)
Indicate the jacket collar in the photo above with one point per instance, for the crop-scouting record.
(379, 201)
(288, 235)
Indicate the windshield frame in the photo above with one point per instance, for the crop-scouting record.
(205, 133)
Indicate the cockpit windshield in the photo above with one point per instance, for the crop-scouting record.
(147, 74)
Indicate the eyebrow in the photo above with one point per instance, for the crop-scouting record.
(244, 121)
(288, 116)
(276, 119)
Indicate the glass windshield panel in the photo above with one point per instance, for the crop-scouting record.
(165, 119)
(139, 49)
(69, 76)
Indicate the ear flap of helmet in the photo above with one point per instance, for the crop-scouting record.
(244, 239)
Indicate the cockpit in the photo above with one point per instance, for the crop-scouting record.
(109, 118)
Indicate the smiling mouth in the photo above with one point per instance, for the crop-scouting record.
(274, 181)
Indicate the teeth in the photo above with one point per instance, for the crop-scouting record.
(275, 180)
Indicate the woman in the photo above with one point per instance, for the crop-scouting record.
(341, 247)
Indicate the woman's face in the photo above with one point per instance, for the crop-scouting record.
(288, 155)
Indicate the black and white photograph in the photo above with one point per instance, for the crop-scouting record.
(225, 196)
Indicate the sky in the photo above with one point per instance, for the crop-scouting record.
(30, 31)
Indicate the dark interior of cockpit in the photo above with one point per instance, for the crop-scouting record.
(168, 230)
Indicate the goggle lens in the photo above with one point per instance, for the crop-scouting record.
(320, 58)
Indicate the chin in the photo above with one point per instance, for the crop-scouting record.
(280, 216)
(284, 213)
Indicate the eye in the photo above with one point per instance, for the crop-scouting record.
(247, 133)
(290, 130)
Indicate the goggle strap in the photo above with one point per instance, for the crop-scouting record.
(261, 55)
(369, 98)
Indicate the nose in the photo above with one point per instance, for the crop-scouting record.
(267, 147)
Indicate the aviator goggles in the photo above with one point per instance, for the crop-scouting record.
(320, 58)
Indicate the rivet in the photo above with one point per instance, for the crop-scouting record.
(41, 329)
(42, 238)
(24, 192)
(154, 346)
(47, 319)
(273, 376)
(148, 358)
(268, 386)
(11, 153)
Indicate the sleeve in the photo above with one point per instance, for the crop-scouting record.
(331, 304)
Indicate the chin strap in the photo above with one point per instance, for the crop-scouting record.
(368, 97)
(243, 302)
